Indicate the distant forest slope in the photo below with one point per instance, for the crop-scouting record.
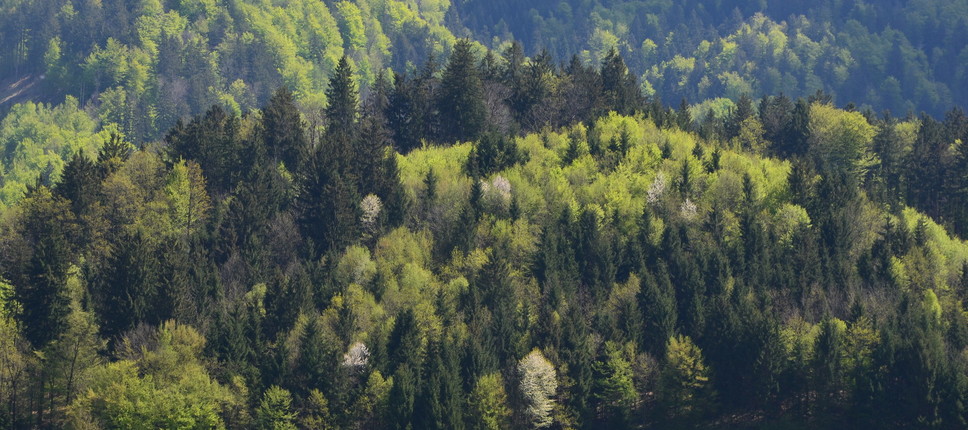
(897, 55)
(73, 72)
(144, 64)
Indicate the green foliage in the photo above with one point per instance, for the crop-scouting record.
(488, 403)
(649, 262)
(617, 392)
(161, 386)
(275, 410)
(842, 140)
(685, 378)
(461, 99)
(39, 139)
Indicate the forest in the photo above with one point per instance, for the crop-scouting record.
(387, 214)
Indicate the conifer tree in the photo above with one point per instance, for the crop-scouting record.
(620, 87)
(79, 183)
(40, 280)
(129, 291)
(461, 98)
(341, 119)
(328, 199)
(283, 130)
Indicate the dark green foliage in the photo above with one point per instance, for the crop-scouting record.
(658, 302)
(776, 112)
(328, 205)
(670, 279)
(926, 177)
(582, 89)
(440, 403)
(531, 90)
(742, 111)
(620, 87)
(79, 183)
(492, 153)
(283, 130)
(341, 120)
(411, 112)
(461, 97)
(402, 398)
(376, 165)
(130, 291)
(213, 141)
(40, 277)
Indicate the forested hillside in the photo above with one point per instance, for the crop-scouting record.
(579, 258)
(318, 214)
(138, 67)
(906, 56)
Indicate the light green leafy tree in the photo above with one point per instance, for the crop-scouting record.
(488, 403)
(275, 410)
(684, 382)
(159, 384)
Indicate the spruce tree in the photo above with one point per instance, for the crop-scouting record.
(79, 183)
(341, 120)
(130, 287)
(41, 284)
(283, 131)
(620, 87)
(461, 98)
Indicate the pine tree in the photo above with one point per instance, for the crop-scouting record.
(402, 398)
(775, 114)
(275, 410)
(376, 163)
(440, 403)
(113, 154)
(658, 302)
(213, 141)
(402, 117)
(796, 135)
(739, 113)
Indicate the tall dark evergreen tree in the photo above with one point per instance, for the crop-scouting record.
(440, 404)
(376, 158)
(342, 114)
(283, 130)
(795, 139)
(620, 87)
(328, 200)
(739, 113)
(928, 165)
(40, 281)
(775, 115)
(79, 183)
(130, 289)
(461, 98)
(582, 89)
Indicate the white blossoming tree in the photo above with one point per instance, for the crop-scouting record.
(539, 381)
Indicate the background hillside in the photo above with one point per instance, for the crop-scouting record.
(898, 55)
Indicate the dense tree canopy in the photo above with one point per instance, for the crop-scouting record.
(484, 240)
